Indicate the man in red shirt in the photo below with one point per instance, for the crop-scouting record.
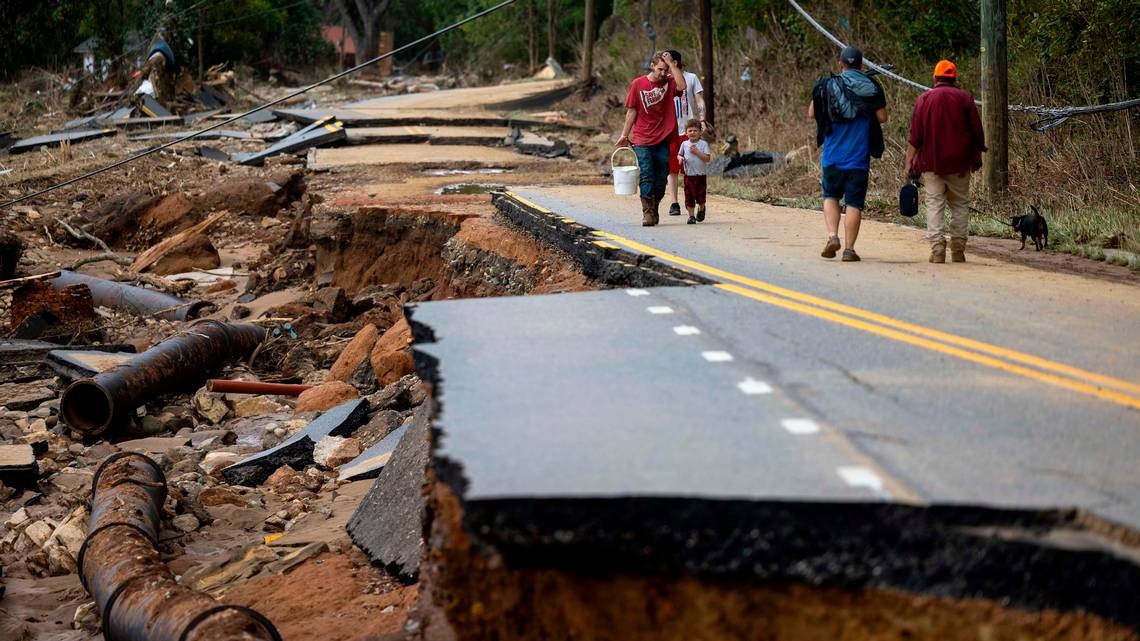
(651, 120)
(945, 145)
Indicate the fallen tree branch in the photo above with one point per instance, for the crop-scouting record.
(80, 234)
(157, 282)
(125, 261)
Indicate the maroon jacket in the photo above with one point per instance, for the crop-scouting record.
(946, 129)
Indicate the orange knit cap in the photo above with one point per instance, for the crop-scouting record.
(945, 69)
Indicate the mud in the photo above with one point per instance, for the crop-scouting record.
(331, 598)
(466, 189)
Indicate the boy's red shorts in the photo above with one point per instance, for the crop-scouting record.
(674, 147)
(695, 190)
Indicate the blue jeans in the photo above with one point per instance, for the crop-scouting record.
(653, 162)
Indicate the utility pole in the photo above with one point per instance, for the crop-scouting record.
(588, 45)
(552, 29)
(201, 60)
(995, 97)
(706, 38)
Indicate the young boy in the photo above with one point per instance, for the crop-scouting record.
(693, 156)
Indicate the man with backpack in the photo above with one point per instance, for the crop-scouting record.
(849, 110)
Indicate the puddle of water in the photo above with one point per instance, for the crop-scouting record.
(469, 188)
(462, 172)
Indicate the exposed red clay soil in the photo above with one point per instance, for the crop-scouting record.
(485, 601)
(329, 598)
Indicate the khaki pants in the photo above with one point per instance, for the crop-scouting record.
(942, 193)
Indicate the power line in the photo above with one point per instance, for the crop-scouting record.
(1053, 116)
(271, 103)
(255, 14)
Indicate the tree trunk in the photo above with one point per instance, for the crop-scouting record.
(588, 44)
(706, 38)
(551, 33)
(532, 34)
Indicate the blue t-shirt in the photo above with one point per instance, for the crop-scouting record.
(848, 145)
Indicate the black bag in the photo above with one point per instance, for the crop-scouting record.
(908, 199)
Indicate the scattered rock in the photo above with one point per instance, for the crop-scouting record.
(355, 353)
(210, 406)
(73, 480)
(197, 252)
(332, 301)
(333, 451)
(257, 406)
(392, 356)
(25, 396)
(324, 397)
(185, 523)
(154, 445)
(214, 461)
(215, 496)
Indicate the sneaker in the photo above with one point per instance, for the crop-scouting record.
(831, 247)
(849, 256)
(701, 214)
(692, 221)
(675, 209)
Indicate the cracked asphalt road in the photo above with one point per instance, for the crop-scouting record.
(984, 383)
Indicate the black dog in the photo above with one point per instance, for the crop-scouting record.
(1033, 226)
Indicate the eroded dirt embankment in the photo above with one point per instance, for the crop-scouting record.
(485, 599)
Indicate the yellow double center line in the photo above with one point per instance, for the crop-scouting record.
(1007, 360)
(1001, 358)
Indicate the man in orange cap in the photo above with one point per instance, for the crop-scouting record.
(945, 145)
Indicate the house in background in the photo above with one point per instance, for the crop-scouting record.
(345, 47)
(86, 52)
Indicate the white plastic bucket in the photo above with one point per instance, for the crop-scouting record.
(625, 176)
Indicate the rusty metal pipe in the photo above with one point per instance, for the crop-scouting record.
(136, 594)
(108, 293)
(225, 386)
(94, 405)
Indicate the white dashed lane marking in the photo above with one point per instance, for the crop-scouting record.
(660, 309)
(856, 476)
(637, 292)
(800, 426)
(753, 386)
(686, 330)
(717, 357)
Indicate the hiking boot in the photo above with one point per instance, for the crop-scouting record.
(648, 215)
(938, 253)
(655, 210)
(849, 256)
(692, 220)
(831, 247)
(701, 214)
(675, 209)
(957, 250)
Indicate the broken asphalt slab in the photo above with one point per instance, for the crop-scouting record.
(323, 132)
(73, 364)
(23, 360)
(388, 523)
(653, 455)
(18, 466)
(297, 450)
(372, 460)
(55, 140)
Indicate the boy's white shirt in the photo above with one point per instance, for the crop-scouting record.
(691, 161)
(684, 104)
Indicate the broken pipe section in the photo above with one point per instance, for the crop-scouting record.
(135, 592)
(94, 405)
(106, 293)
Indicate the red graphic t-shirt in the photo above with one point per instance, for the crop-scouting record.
(653, 101)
